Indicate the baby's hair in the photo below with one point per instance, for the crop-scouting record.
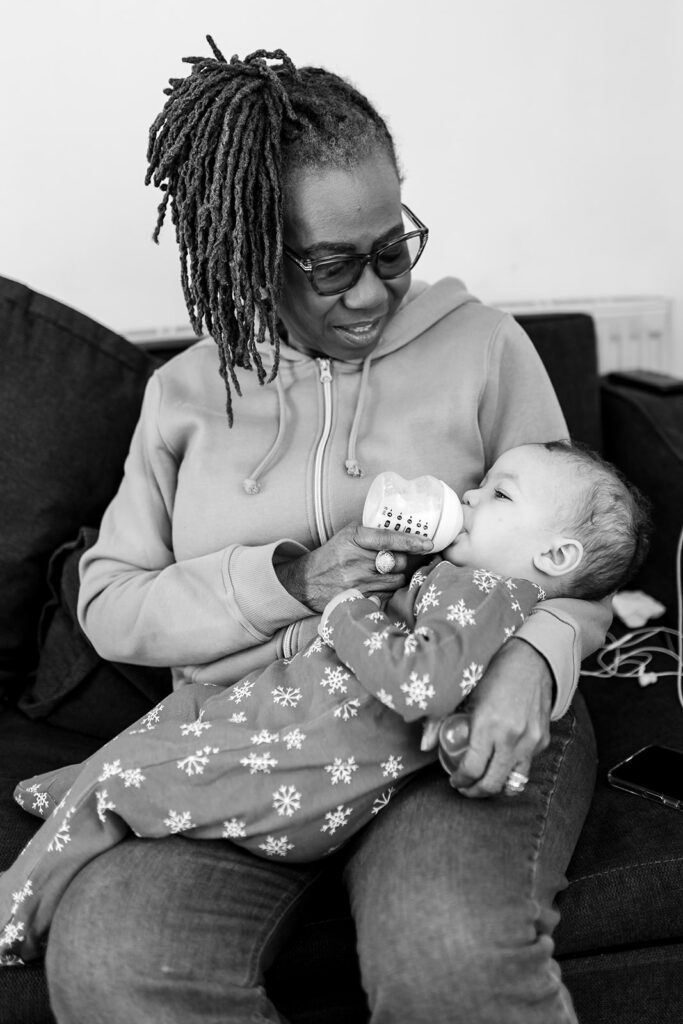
(612, 520)
(221, 150)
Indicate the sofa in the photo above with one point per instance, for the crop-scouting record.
(70, 391)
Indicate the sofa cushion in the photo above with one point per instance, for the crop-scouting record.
(73, 687)
(629, 859)
(70, 393)
(643, 434)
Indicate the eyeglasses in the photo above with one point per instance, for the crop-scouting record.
(332, 275)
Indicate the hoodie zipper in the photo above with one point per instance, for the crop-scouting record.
(325, 372)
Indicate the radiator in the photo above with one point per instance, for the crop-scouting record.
(632, 332)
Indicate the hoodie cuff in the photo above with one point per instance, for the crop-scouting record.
(557, 641)
(249, 575)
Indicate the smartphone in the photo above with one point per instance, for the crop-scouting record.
(653, 772)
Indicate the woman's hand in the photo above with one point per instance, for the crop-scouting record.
(348, 560)
(510, 720)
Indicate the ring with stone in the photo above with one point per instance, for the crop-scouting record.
(384, 562)
(516, 783)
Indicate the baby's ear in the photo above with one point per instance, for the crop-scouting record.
(560, 557)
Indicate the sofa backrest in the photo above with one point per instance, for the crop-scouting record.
(566, 343)
(70, 393)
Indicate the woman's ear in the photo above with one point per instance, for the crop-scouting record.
(562, 556)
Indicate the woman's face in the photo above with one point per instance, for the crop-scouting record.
(330, 211)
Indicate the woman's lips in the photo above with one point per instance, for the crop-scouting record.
(361, 333)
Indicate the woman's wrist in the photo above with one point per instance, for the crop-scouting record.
(292, 579)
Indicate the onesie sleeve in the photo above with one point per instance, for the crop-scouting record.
(138, 604)
(461, 619)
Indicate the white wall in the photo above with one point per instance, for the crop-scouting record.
(541, 139)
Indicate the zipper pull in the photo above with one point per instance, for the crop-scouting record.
(325, 371)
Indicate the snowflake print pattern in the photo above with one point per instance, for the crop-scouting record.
(264, 737)
(418, 579)
(241, 691)
(132, 777)
(335, 680)
(234, 829)
(336, 819)
(375, 616)
(418, 690)
(62, 836)
(470, 678)
(11, 933)
(430, 599)
(238, 718)
(150, 721)
(347, 710)
(461, 614)
(178, 822)
(341, 771)
(294, 739)
(393, 766)
(286, 800)
(194, 764)
(258, 762)
(314, 647)
(484, 580)
(386, 698)
(104, 804)
(510, 631)
(110, 769)
(22, 895)
(375, 642)
(286, 697)
(197, 727)
(382, 800)
(276, 847)
(41, 802)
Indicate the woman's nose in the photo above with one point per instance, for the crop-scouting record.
(368, 292)
(468, 496)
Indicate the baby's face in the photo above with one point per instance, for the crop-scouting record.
(512, 515)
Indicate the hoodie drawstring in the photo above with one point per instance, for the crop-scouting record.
(251, 484)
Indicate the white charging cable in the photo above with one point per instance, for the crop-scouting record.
(630, 656)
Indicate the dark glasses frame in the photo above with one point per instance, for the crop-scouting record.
(362, 259)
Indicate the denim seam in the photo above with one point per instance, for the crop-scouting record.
(625, 867)
(543, 815)
(538, 839)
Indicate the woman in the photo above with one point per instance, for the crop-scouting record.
(223, 545)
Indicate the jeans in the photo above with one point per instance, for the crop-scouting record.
(453, 901)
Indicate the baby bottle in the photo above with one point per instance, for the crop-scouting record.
(425, 506)
(454, 734)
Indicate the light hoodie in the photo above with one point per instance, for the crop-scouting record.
(183, 575)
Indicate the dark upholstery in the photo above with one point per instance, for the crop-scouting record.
(620, 940)
(644, 436)
(70, 392)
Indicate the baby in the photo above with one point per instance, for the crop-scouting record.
(292, 761)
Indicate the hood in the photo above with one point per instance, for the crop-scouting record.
(423, 306)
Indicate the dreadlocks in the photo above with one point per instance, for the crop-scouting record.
(221, 150)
